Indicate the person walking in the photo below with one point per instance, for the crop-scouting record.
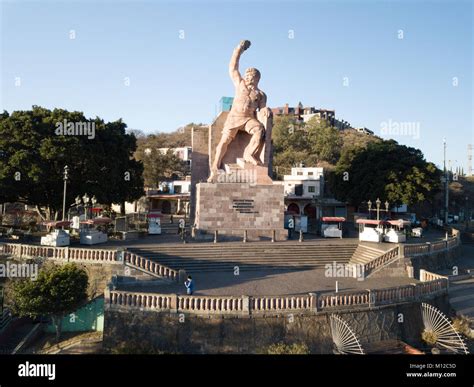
(189, 283)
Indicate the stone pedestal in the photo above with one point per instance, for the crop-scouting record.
(233, 207)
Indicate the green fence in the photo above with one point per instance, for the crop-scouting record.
(88, 318)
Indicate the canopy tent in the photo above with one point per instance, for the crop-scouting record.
(96, 221)
(371, 221)
(333, 219)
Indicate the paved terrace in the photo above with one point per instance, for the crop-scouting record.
(266, 282)
(151, 240)
(261, 283)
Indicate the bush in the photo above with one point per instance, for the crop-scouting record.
(286, 349)
(429, 337)
(462, 325)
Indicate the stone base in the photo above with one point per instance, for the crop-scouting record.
(231, 208)
(239, 235)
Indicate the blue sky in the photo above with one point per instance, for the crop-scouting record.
(175, 81)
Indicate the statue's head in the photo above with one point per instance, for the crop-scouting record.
(252, 76)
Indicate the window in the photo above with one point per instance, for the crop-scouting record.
(310, 173)
(299, 173)
(177, 189)
(311, 188)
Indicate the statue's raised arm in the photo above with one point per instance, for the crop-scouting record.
(234, 61)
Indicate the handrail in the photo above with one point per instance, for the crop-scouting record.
(149, 266)
(73, 254)
(380, 261)
(412, 250)
(273, 305)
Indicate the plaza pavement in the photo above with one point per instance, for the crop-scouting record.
(284, 282)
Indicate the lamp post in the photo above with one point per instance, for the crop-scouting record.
(86, 200)
(94, 201)
(467, 215)
(378, 203)
(446, 186)
(65, 175)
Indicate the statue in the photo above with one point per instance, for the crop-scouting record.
(243, 115)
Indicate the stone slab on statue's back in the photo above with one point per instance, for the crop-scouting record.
(231, 208)
(237, 147)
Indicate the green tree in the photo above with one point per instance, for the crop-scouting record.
(159, 166)
(33, 156)
(386, 170)
(325, 140)
(57, 291)
(290, 145)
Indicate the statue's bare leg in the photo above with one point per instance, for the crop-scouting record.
(220, 152)
(250, 153)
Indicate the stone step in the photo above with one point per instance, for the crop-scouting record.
(247, 257)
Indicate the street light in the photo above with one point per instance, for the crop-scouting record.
(446, 186)
(86, 200)
(65, 176)
(377, 202)
(467, 215)
(94, 201)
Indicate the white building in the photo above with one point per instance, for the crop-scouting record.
(304, 195)
(304, 182)
(183, 153)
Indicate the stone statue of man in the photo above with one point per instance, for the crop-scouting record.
(243, 114)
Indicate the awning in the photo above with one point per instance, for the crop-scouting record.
(96, 221)
(57, 223)
(370, 221)
(333, 219)
(399, 222)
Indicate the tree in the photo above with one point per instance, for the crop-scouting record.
(386, 170)
(290, 145)
(324, 139)
(57, 291)
(33, 155)
(161, 166)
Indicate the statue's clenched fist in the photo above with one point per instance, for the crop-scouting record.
(244, 44)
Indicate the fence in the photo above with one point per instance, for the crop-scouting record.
(83, 255)
(139, 262)
(69, 254)
(246, 305)
(381, 261)
(427, 248)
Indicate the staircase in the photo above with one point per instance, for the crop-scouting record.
(15, 336)
(364, 254)
(461, 297)
(467, 238)
(206, 257)
(171, 228)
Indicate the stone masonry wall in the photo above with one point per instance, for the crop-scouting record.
(200, 162)
(221, 206)
(173, 333)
